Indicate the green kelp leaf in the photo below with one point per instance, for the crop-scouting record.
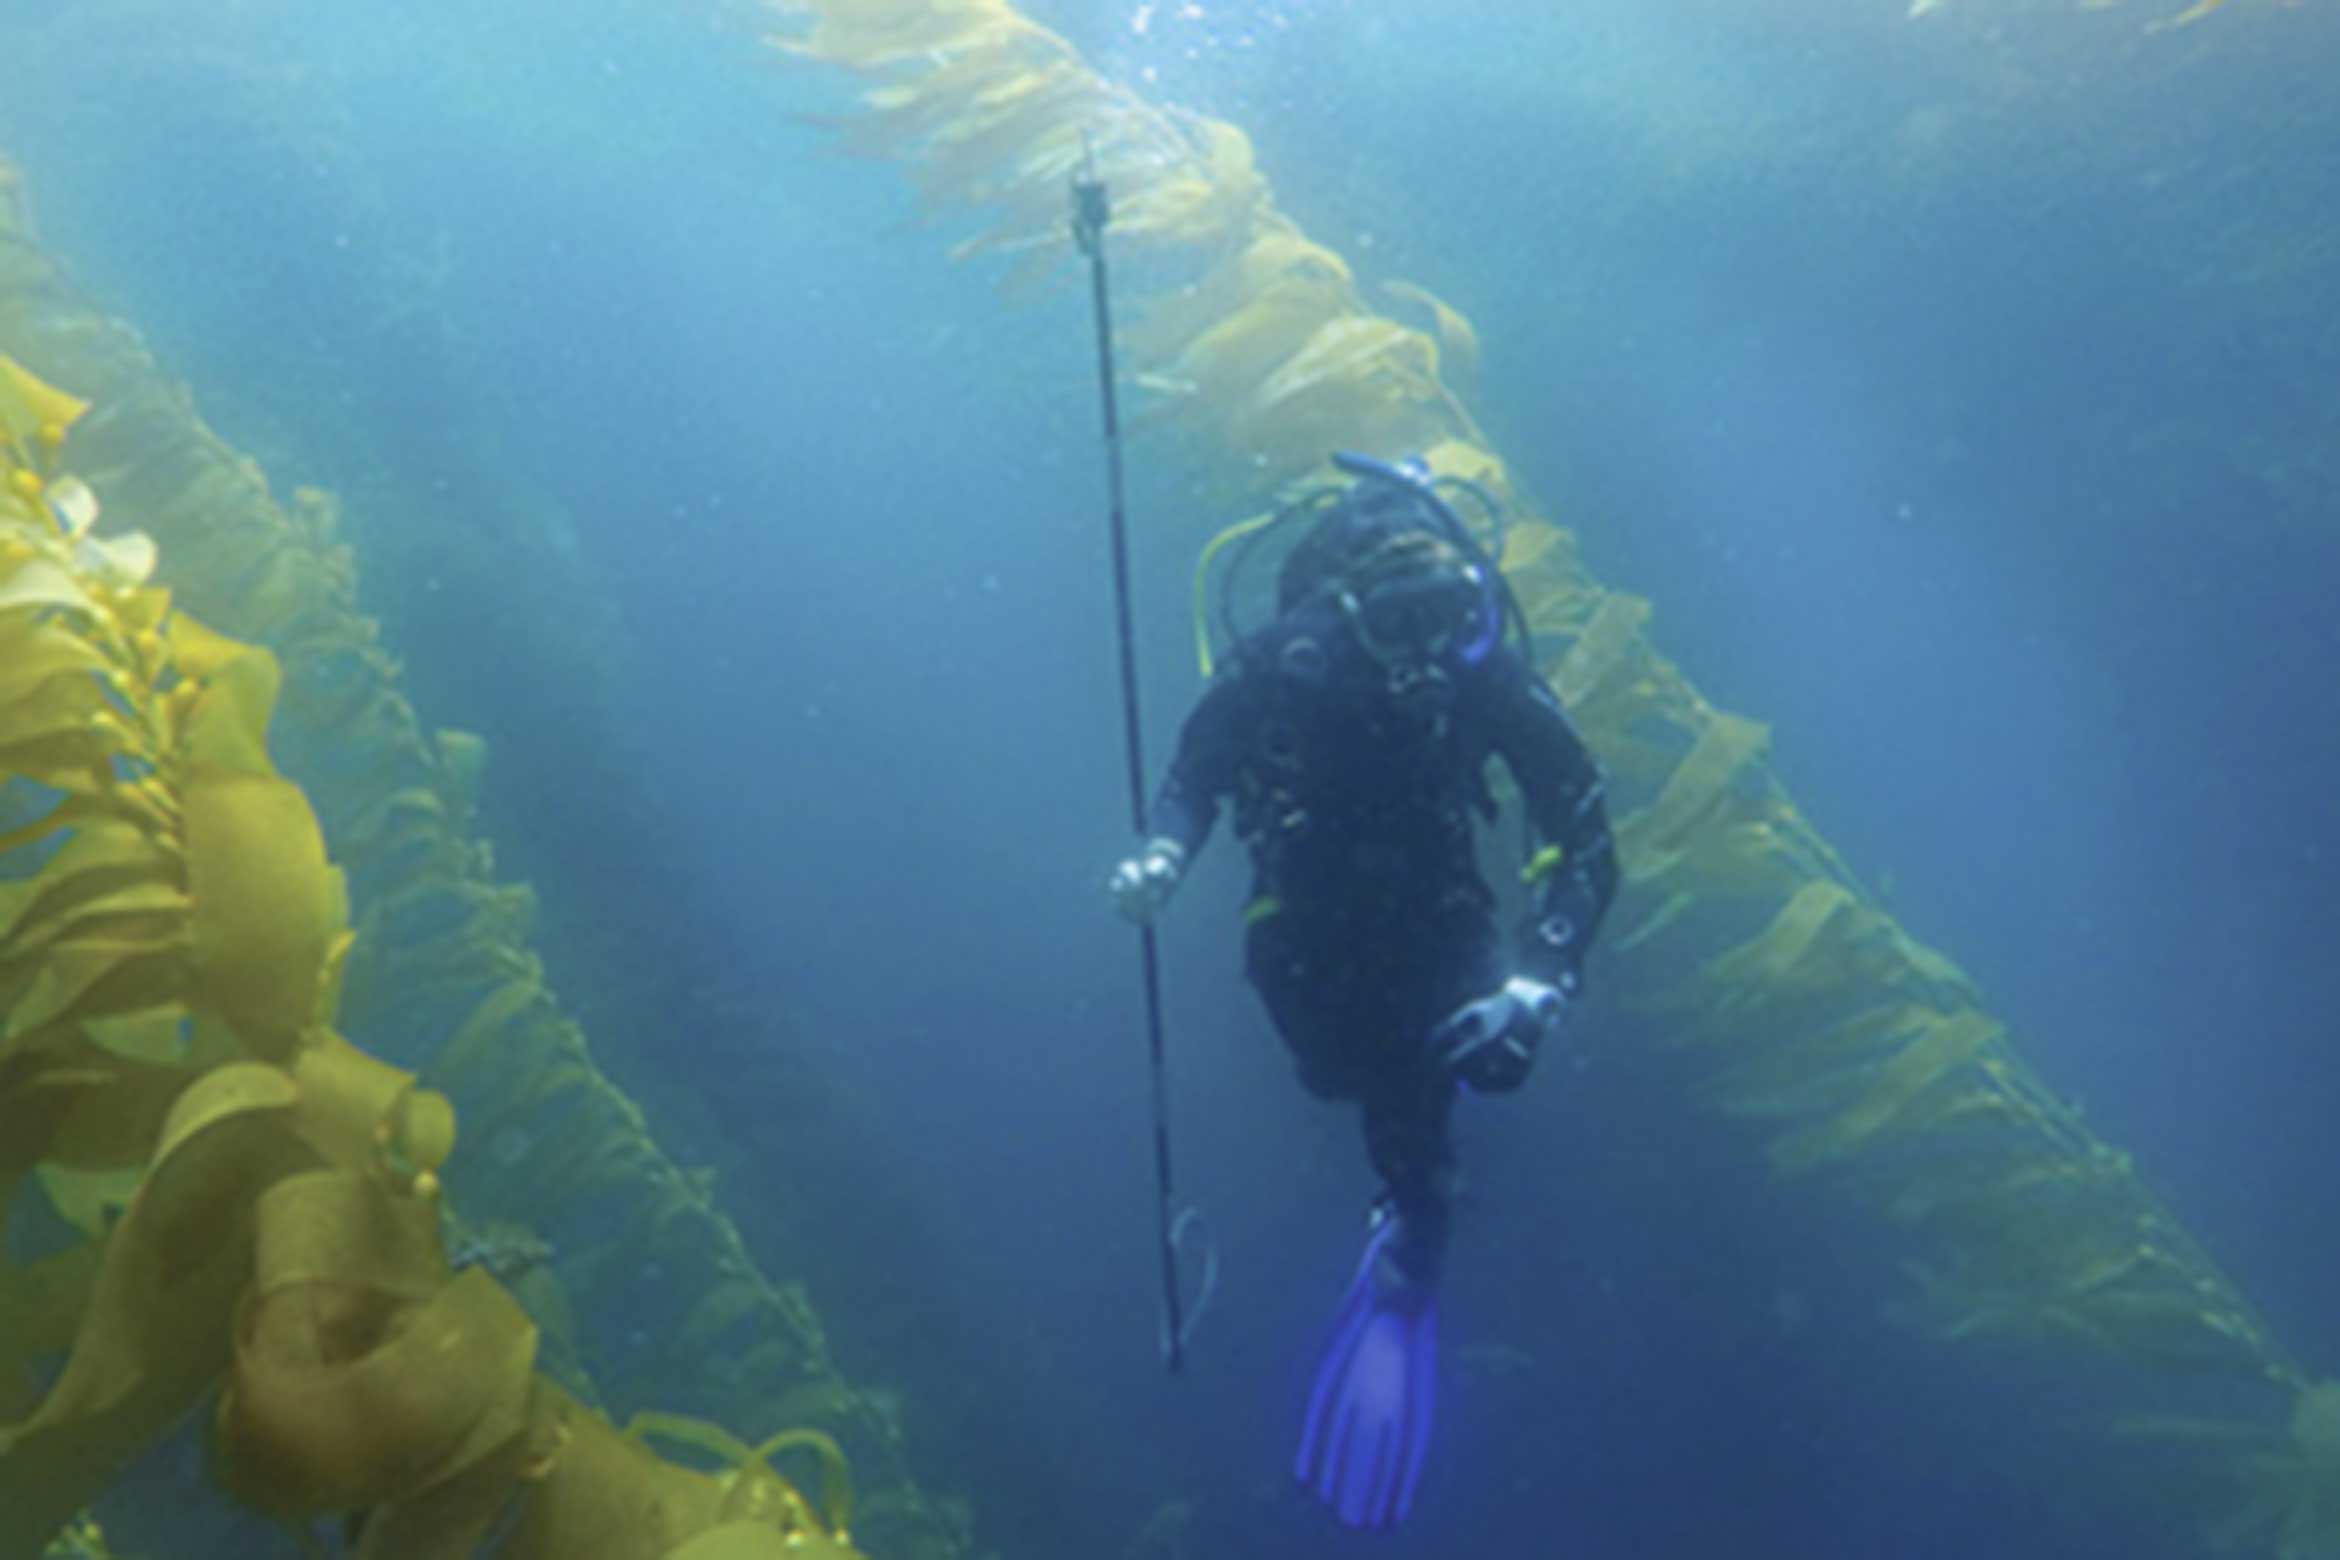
(1458, 339)
(36, 650)
(476, 1043)
(1975, 1189)
(1945, 1044)
(91, 979)
(104, 854)
(1743, 858)
(1348, 349)
(1669, 910)
(1754, 968)
(2175, 1330)
(34, 414)
(1725, 743)
(1240, 350)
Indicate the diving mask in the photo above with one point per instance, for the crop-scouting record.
(1417, 601)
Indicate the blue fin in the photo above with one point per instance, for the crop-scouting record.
(1368, 1423)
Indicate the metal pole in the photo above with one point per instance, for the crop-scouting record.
(1090, 212)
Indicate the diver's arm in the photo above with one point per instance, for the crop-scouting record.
(1575, 871)
(1186, 806)
(1203, 771)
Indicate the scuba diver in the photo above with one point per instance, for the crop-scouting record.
(1352, 735)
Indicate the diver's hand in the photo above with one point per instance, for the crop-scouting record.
(1142, 885)
(1491, 1044)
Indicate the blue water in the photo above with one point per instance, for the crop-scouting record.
(1958, 389)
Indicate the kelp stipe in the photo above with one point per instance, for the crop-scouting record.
(668, 1304)
(257, 1200)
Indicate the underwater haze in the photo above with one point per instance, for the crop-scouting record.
(1960, 388)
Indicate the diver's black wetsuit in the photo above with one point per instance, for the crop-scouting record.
(1369, 922)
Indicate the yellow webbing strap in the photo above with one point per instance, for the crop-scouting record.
(1202, 571)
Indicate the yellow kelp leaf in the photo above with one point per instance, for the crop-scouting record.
(1979, 1188)
(875, 33)
(1944, 1045)
(457, 1514)
(474, 1044)
(1184, 209)
(2082, 1270)
(896, 117)
(387, 815)
(75, 509)
(1671, 909)
(754, 1541)
(463, 757)
(69, 754)
(106, 908)
(2187, 17)
(90, 1111)
(1278, 256)
(92, 978)
(1743, 858)
(158, 1036)
(1241, 350)
(228, 731)
(756, 1495)
(359, 1112)
(605, 1494)
(91, 1200)
(1282, 250)
(155, 1332)
(1813, 1070)
(1725, 744)
(33, 650)
(1469, 462)
(41, 1304)
(1601, 648)
(119, 561)
(836, 1476)
(1023, 94)
(104, 853)
(362, 1374)
(43, 582)
(223, 1094)
(1525, 546)
(66, 702)
(699, 1434)
(200, 653)
(327, 1006)
(1794, 931)
(419, 1132)
(1350, 347)
(33, 412)
(2173, 1329)
(1024, 115)
(268, 909)
(1458, 341)
(1226, 156)
(1966, 1107)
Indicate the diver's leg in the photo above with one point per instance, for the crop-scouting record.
(1300, 974)
(1366, 1432)
(1407, 1139)
(1410, 1101)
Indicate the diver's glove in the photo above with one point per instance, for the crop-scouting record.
(1491, 1044)
(1142, 885)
